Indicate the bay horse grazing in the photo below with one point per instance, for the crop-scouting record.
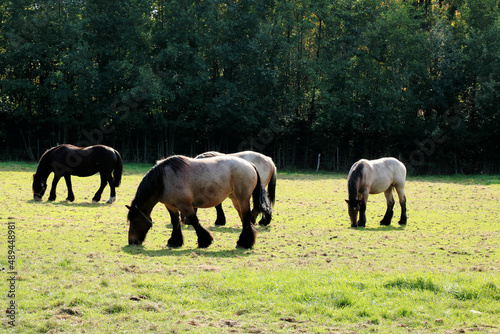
(183, 184)
(373, 177)
(267, 171)
(66, 160)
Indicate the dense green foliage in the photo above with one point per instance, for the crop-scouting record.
(412, 79)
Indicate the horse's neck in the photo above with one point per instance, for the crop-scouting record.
(353, 190)
(43, 170)
(354, 185)
(148, 205)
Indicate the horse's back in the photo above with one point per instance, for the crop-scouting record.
(91, 159)
(207, 182)
(265, 165)
(388, 171)
(222, 168)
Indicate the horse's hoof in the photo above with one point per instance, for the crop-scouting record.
(175, 243)
(263, 222)
(111, 200)
(402, 222)
(220, 222)
(205, 242)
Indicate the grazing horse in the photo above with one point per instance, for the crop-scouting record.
(267, 172)
(373, 177)
(183, 184)
(66, 160)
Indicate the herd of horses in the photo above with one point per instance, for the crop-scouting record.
(185, 184)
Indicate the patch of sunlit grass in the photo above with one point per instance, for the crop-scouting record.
(309, 271)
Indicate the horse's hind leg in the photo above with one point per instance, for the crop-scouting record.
(221, 218)
(71, 196)
(390, 207)
(249, 233)
(97, 196)
(402, 202)
(176, 240)
(112, 194)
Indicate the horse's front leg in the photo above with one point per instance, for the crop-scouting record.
(97, 196)
(249, 233)
(265, 220)
(205, 238)
(390, 208)
(52, 196)
(71, 196)
(221, 218)
(362, 213)
(176, 240)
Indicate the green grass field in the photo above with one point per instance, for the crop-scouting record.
(309, 272)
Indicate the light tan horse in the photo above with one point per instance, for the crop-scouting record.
(183, 184)
(373, 177)
(267, 171)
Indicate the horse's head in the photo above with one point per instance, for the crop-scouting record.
(39, 187)
(353, 208)
(139, 225)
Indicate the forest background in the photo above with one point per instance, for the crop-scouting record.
(418, 80)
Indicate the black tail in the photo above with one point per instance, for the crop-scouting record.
(271, 188)
(261, 202)
(117, 173)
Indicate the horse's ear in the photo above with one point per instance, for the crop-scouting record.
(128, 207)
(347, 201)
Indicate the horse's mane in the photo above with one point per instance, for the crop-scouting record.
(356, 174)
(152, 183)
(45, 157)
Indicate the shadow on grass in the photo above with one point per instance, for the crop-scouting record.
(226, 229)
(179, 252)
(381, 228)
(70, 204)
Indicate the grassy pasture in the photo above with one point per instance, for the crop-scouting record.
(308, 273)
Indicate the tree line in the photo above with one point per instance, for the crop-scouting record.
(418, 80)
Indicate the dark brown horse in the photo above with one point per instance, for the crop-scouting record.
(66, 160)
(183, 184)
(373, 177)
(267, 171)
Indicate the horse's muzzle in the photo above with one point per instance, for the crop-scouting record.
(37, 197)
